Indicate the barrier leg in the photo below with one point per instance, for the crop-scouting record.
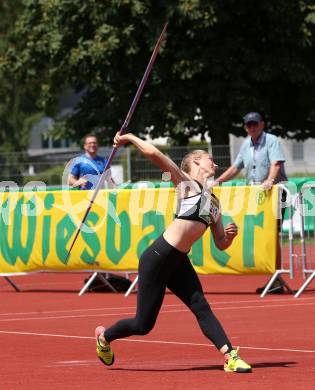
(285, 284)
(308, 281)
(86, 286)
(108, 284)
(269, 284)
(275, 276)
(104, 279)
(131, 286)
(11, 283)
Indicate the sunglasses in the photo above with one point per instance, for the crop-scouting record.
(251, 124)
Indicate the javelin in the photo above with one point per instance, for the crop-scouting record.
(121, 131)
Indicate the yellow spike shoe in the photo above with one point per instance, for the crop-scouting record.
(104, 353)
(234, 363)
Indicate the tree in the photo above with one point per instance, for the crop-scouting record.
(17, 100)
(220, 60)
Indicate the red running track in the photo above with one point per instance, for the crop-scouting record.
(47, 340)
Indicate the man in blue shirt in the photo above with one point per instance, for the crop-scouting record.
(86, 169)
(260, 154)
(263, 160)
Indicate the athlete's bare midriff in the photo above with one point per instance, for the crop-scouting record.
(182, 233)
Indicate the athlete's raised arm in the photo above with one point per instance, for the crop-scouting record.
(154, 154)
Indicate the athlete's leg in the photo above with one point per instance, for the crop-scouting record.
(185, 283)
(151, 289)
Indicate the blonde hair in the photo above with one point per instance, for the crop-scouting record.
(186, 162)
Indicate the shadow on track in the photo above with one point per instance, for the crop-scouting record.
(204, 368)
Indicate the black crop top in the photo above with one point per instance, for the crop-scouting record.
(203, 207)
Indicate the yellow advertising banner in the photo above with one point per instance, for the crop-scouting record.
(37, 228)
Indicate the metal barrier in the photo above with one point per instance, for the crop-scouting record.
(307, 236)
(104, 276)
(285, 267)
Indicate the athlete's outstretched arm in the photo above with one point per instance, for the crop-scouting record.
(154, 154)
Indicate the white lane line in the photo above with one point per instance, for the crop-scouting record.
(101, 309)
(46, 334)
(74, 363)
(75, 316)
(94, 363)
(153, 341)
(78, 310)
(161, 312)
